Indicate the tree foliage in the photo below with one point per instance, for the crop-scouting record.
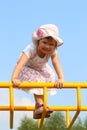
(85, 124)
(78, 125)
(27, 124)
(55, 122)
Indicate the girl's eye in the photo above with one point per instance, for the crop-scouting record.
(44, 43)
(51, 44)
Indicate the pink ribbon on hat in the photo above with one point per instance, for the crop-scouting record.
(39, 33)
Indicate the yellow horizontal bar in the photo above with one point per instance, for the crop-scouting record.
(46, 84)
(70, 108)
(4, 108)
(75, 84)
(55, 108)
(17, 108)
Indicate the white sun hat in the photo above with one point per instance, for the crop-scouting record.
(46, 31)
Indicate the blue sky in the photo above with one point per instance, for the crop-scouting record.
(18, 20)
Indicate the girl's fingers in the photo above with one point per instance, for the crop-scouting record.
(58, 84)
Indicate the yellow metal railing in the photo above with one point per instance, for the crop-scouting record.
(67, 109)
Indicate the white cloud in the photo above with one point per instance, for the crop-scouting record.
(20, 100)
(18, 115)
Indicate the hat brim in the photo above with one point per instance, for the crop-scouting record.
(58, 39)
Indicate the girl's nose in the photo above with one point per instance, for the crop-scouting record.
(47, 46)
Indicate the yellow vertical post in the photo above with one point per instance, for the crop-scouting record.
(67, 118)
(45, 97)
(11, 106)
(40, 121)
(78, 106)
(79, 98)
(69, 123)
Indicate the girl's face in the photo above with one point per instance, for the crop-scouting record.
(46, 46)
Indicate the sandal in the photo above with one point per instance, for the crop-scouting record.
(38, 108)
(37, 114)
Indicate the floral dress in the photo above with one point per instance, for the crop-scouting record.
(37, 70)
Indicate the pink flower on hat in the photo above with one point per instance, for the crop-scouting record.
(39, 33)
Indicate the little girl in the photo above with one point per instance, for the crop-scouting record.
(33, 65)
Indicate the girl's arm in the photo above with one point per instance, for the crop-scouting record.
(59, 71)
(20, 64)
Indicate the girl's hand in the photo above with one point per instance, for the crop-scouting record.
(16, 82)
(59, 83)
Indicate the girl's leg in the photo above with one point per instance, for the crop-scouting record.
(39, 107)
(38, 99)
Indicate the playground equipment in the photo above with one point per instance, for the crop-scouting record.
(67, 109)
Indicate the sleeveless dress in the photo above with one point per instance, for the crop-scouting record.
(37, 70)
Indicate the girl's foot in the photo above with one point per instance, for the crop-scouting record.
(38, 116)
(39, 110)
